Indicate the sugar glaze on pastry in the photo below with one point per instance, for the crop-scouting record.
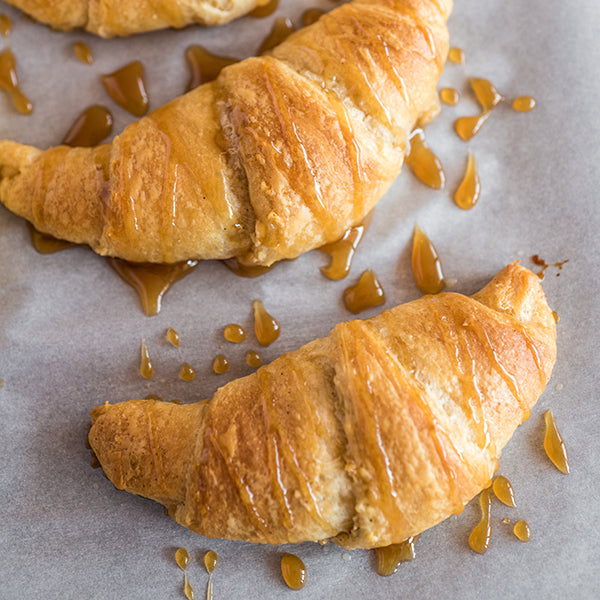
(365, 437)
(279, 155)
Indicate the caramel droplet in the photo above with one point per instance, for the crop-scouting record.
(182, 558)
(46, 244)
(186, 372)
(366, 293)
(468, 127)
(234, 333)
(449, 96)
(265, 10)
(554, 445)
(522, 530)
(93, 125)
(486, 93)
(503, 490)
(282, 28)
(5, 25)
(204, 66)
(469, 190)
(312, 15)
(9, 82)
(173, 337)
(151, 281)
(524, 104)
(188, 590)
(127, 88)
(245, 271)
(146, 367)
(426, 264)
(424, 163)
(480, 537)
(211, 560)
(555, 316)
(456, 55)
(253, 359)
(83, 53)
(293, 571)
(390, 557)
(153, 397)
(266, 326)
(220, 364)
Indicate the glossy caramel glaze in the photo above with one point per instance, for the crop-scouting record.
(253, 359)
(204, 65)
(456, 55)
(151, 281)
(146, 366)
(5, 25)
(265, 10)
(293, 571)
(424, 163)
(469, 189)
(93, 125)
(188, 590)
(220, 364)
(83, 53)
(234, 333)
(211, 560)
(46, 244)
(127, 87)
(173, 337)
(248, 271)
(182, 558)
(266, 327)
(390, 557)
(522, 530)
(486, 93)
(468, 127)
(479, 540)
(364, 294)
(282, 28)
(426, 265)
(503, 490)
(524, 104)
(9, 82)
(187, 372)
(449, 96)
(554, 445)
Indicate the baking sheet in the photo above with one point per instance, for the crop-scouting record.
(70, 330)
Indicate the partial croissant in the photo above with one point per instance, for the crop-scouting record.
(108, 18)
(280, 155)
(365, 437)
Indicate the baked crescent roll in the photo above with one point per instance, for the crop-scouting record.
(365, 437)
(108, 18)
(279, 155)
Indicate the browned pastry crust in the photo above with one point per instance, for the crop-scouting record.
(108, 18)
(279, 155)
(367, 436)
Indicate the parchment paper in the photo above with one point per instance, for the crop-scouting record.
(70, 329)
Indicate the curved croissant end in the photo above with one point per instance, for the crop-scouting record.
(279, 155)
(367, 436)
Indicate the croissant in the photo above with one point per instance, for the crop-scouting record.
(366, 437)
(108, 18)
(279, 155)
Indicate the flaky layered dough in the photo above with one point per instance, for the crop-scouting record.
(367, 436)
(279, 155)
(108, 18)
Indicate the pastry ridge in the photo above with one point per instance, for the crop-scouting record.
(365, 437)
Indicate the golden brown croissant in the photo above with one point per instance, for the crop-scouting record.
(108, 18)
(367, 436)
(279, 155)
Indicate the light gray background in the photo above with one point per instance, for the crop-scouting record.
(70, 329)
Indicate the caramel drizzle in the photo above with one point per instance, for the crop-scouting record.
(9, 82)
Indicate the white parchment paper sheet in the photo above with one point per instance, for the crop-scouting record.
(70, 330)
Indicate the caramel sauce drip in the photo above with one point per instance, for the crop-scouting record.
(390, 557)
(555, 316)
(244, 270)
(204, 66)
(486, 93)
(468, 127)
(5, 25)
(220, 364)
(282, 28)
(9, 82)
(312, 15)
(506, 521)
(503, 490)
(265, 10)
(424, 163)
(209, 589)
(46, 244)
(480, 537)
(522, 530)
(266, 326)
(456, 55)
(187, 372)
(293, 571)
(173, 337)
(554, 445)
(449, 96)
(253, 359)
(151, 281)
(93, 125)
(540, 262)
(364, 294)
(127, 88)
(524, 104)
(234, 333)
(188, 590)
(182, 558)
(146, 367)
(469, 190)
(342, 252)
(211, 560)
(426, 264)
(153, 397)
(83, 53)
